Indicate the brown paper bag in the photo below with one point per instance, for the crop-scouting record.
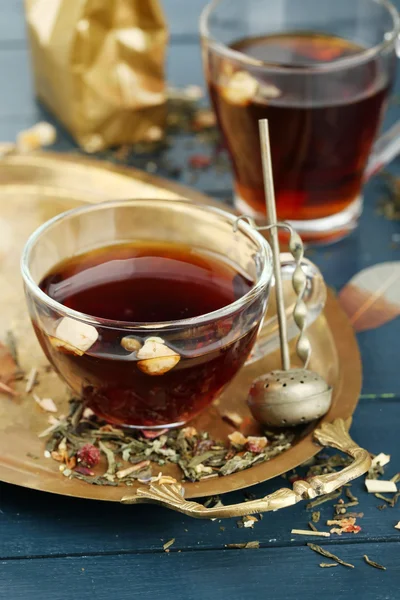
(99, 67)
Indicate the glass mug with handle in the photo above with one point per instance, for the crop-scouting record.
(151, 374)
(321, 73)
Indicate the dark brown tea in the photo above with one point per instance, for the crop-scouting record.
(131, 376)
(321, 125)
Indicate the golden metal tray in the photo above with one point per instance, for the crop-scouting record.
(35, 188)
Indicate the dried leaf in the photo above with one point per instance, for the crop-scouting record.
(328, 565)
(372, 297)
(327, 554)
(373, 563)
(323, 499)
(245, 545)
(168, 544)
(31, 381)
(316, 515)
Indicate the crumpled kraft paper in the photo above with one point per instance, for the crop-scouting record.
(99, 67)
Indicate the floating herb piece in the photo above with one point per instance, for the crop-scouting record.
(327, 554)
(374, 564)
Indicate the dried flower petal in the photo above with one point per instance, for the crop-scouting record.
(88, 455)
(256, 444)
(237, 439)
(46, 404)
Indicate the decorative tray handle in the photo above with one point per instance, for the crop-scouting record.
(334, 435)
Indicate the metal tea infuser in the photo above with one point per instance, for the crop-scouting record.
(287, 397)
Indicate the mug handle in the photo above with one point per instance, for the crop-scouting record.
(334, 435)
(314, 298)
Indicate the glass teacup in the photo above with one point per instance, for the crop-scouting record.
(116, 380)
(118, 370)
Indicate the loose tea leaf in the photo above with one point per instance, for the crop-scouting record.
(316, 515)
(373, 563)
(245, 545)
(327, 554)
(168, 544)
(350, 495)
(328, 565)
(312, 526)
(323, 499)
(196, 453)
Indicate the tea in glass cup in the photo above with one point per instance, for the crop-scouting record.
(321, 73)
(147, 309)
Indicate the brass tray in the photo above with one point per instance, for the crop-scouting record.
(35, 188)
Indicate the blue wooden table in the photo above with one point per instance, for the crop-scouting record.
(65, 549)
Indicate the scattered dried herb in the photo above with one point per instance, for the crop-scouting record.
(327, 554)
(316, 515)
(328, 565)
(350, 495)
(373, 563)
(245, 545)
(389, 204)
(314, 532)
(196, 453)
(323, 499)
(168, 544)
(31, 381)
(312, 526)
(11, 342)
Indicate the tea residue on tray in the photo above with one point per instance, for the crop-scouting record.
(78, 441)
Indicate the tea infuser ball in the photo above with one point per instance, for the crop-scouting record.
(287, 397)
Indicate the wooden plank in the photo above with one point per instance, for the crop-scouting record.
(181, 20)
(36, 524)
(234, 574)
(12, 24)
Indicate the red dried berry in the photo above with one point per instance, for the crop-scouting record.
(88, 455)
(199, 161)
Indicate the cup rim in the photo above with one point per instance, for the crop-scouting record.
(263, 280)
(335, 65)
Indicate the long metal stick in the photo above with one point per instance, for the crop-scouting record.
(272, 220)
